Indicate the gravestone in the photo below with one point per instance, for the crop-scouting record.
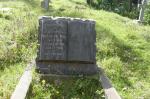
(66, 46)
(45, 4)
(142, 8)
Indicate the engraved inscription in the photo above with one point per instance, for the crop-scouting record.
(53, 40)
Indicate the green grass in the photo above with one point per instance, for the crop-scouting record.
(65, 88)
(123, 47)
(17, 43)
(9, 78)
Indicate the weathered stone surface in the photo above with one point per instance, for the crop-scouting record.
(53, 35)
(67, 68)
(66, 46)
(81, 39)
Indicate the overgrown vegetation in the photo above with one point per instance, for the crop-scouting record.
(123, 47)
(123, 7)
(75, 88)
(18, 31)
(128, 8)
(147, 14)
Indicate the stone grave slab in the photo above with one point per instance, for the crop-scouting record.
(66, 46)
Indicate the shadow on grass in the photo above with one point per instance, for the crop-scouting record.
(131, 59)
(78, 3)
(7, 63)
(32, 3)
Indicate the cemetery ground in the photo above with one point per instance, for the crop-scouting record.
(123, 47)
(82, 88)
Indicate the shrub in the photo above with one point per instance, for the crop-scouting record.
(121, 7)
(1, 15)
(147, 14)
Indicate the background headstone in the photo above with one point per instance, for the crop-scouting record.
(45, 4)
(67, 46)
(142, 8)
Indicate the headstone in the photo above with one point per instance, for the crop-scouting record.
(141, 15)
(45, 4)
(66, 46)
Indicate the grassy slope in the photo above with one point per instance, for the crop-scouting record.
(123, 48)
(17, 43)
(9, 78)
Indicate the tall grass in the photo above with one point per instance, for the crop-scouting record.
(18, 33)
(18, 37)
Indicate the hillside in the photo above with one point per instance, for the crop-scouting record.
(123, 47)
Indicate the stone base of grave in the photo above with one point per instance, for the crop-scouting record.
(59, 78)
(66, 68)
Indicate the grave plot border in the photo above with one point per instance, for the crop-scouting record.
(24, 83)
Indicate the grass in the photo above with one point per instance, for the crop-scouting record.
(17, 43)
(123, 47)
(9, 77)
(65, 88)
